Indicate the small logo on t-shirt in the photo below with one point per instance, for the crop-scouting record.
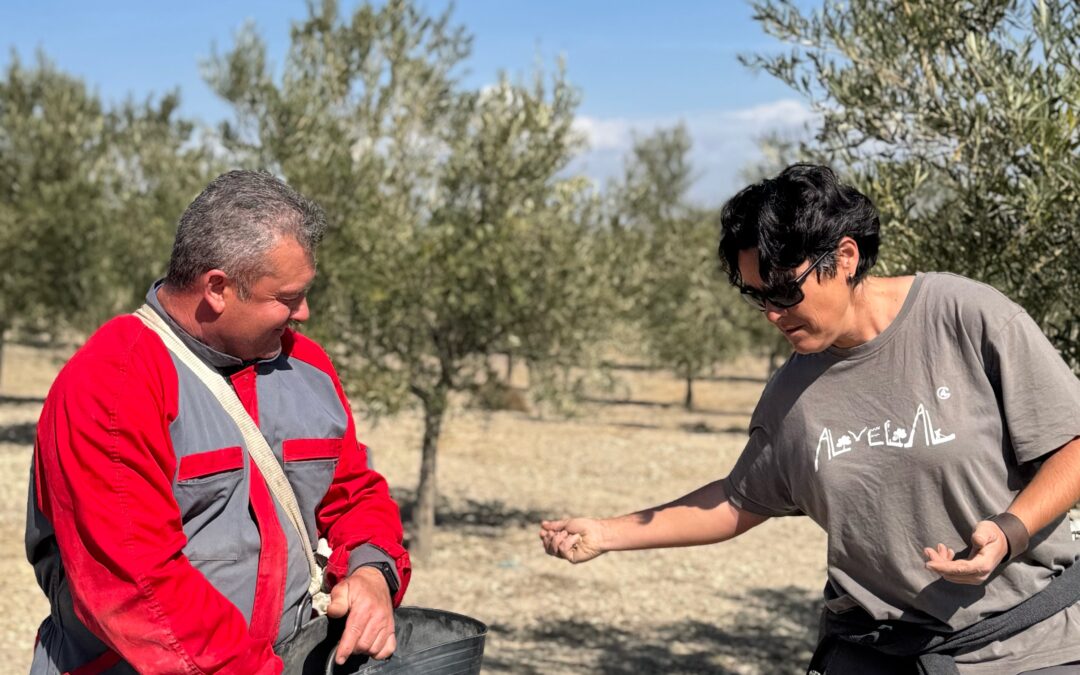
(943, 393)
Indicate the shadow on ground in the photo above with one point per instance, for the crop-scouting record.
(706, 428)
(773, 633)
(21, 400)
(20, 434)
(485, 519)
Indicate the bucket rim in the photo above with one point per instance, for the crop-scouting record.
(479, 639)
(483, 627)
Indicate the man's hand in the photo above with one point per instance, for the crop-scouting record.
(575, 539)
(988, 548)
(369, 625)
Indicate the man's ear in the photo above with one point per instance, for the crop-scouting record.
(214, 285)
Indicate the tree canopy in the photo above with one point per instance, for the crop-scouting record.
(89, 195)
(453, 233)
(960, 120)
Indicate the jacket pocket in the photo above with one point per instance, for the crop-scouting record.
(309, 466)
(213, 503)
(305, 449)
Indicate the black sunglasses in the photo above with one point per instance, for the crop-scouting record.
(784, 295)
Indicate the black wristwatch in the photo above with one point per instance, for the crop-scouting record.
(388, 574)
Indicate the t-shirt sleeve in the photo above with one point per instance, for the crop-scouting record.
(757, 483)
(1039, 395)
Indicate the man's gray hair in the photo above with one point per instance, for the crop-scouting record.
(233, 224)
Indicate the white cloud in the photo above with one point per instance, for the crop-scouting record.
(724, 142)
(604, 135)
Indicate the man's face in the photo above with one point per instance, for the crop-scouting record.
(251, 328)
(814, 324)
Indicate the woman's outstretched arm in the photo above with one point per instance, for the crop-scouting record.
(705, 516)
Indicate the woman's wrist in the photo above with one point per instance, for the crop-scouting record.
(1016, 533)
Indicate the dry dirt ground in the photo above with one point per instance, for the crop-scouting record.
(747, 606)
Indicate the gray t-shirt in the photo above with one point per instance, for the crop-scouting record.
(910, 440)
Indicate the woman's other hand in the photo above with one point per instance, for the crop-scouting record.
(988, 548)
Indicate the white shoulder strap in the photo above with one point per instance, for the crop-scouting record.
(257, 447)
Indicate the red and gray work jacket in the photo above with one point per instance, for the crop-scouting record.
(152, 532)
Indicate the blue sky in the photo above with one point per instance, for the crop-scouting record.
(640, 65)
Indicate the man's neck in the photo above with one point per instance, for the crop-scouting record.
(183, 307)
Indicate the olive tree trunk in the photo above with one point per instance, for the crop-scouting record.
(423, 518)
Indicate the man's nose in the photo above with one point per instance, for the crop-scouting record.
(302, 313)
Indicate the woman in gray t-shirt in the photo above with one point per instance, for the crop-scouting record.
(925, 422)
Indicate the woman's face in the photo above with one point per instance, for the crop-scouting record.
(825, 312)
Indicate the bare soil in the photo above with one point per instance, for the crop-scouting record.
(748, 606)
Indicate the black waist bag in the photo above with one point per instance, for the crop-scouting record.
(428, 641)
(933, 651)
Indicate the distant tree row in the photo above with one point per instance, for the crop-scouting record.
(89, 196)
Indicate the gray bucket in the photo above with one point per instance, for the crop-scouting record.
(428, 641)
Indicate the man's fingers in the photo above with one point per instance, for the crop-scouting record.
(378, 641)
(371, 638)
(339, 601)
(368, 635)
(388, 646)
(349, 637)
(369, 619)
(375, 638)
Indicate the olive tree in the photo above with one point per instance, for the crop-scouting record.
(689, 317)
(453, 232)
(961, 121)
(89, 195)
(52, 155)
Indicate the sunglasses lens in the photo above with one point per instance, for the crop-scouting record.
(753, 300)
(786, 297)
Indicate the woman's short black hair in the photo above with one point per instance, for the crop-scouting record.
(801, 214)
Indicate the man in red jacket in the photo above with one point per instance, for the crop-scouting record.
(150, 528)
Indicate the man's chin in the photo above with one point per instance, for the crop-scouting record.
(270, 351)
